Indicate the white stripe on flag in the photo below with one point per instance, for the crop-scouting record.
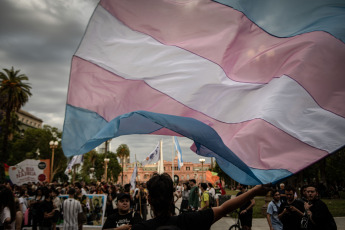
(200, 80)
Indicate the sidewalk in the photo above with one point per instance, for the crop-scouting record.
(261, 223)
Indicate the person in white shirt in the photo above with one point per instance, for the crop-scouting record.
(7, 208)
(71, 208)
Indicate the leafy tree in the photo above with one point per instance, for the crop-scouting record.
(14, 93)
(34, 139)
(122, 152)
(95, 160)
(222, 175)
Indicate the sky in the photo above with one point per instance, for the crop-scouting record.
(39, 38)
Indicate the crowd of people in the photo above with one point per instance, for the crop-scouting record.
(39, 205)
(287, 211)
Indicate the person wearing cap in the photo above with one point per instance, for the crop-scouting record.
(122, 218)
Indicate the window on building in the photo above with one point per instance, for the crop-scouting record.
(164, 168)
(187, 168)
(176, 167)
(182, 177)
(187, 177)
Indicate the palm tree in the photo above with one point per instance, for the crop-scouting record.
(14, 94)
(122, 152)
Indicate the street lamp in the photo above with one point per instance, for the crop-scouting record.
(53, 145)
(202, 160)
(91, 171)
(106, 161)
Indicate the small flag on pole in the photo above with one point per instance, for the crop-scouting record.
(153, 157)
(160, 167)
(134, 176)
(78, 159)
(179, 153)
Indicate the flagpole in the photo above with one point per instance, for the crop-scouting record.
(136, 184)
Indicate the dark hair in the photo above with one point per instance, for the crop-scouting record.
(290, 188)
(161, 189)
(204, 186)
(314, 186)
(274, 191)
(127, 187)
(71, 191)
(187, 185)
(78, 185)
(7, 200)
(211, 185)
(193, 180)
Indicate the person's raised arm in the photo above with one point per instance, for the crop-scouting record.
(236, 202)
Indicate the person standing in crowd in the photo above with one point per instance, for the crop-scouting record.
(19, 215)
(272, 212)
(57, 207)
(48, 212)
(185, 196)
(122, 218)
(193, 200)
(304, 196)
(35, 208)
(161, 190)
(291, 212)
(212, 193)
(71, 208)
(282, 192)
(83, 200)
(204, 198)
(319, 217)
(7, 208)
(246, 210)
(141, 201)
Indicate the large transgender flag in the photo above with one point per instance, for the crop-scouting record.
(259, 85)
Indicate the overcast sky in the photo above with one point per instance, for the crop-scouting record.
(39, 38)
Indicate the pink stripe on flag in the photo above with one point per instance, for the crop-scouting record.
(256, 142)
(245, 52)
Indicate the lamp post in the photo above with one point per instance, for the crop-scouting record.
(91, 171)
(202, 160)
(106, 161)
(53, 145)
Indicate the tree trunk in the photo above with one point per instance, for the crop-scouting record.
(4, 154)
(122, 172)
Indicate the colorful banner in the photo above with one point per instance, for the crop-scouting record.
(212, 177)
(30, 171)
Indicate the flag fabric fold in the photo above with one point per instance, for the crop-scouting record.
(78, 159)
(251, 93)
(179, 153)
(153, 157)
(134, 176)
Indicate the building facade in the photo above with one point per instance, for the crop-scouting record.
(27, 120)
(188, 171)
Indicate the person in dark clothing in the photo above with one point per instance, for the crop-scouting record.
(291, 212)
(122, 218)
(319, 217)
(160, 196)
(141, 201)
(48, 212)
(246, 210)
